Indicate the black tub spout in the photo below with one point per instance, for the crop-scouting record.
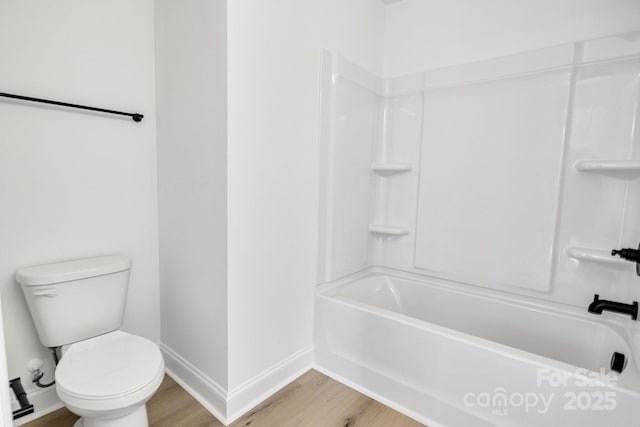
(599, 305)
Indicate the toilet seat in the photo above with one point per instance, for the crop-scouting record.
(111, 371)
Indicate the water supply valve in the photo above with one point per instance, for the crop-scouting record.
(35, 367)
(632, 255)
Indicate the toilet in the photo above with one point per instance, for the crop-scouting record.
(105, 375)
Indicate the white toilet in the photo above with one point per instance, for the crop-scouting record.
(105, 375)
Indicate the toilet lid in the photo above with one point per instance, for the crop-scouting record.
(108, 366)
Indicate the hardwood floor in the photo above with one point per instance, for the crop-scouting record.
(311, 400)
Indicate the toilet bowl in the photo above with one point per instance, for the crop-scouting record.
(105, 375)
(108, 379)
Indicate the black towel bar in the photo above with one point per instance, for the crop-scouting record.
(135, 116)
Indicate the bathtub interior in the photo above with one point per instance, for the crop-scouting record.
(571, 338)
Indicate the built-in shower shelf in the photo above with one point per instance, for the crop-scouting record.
(389, 168)
(602, 256)
(619, 168)
(388, 230)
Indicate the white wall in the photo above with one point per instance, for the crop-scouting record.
(192, 168)
(274, 86)
(426, 34)
(76, 184)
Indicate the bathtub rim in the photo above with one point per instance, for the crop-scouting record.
(328, 291)
(617, 322)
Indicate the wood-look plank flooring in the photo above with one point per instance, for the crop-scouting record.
(313, 400)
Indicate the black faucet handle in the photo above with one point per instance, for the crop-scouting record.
(629, 254)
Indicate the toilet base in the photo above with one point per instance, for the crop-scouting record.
(137, 418)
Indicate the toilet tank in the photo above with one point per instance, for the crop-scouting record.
(75, 300)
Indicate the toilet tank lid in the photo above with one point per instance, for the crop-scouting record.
(66, 271)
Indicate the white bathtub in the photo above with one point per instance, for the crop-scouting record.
(448, 356)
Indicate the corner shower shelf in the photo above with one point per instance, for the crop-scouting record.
(600, 256)
(390, 168)
(389, 230)
(620, 168)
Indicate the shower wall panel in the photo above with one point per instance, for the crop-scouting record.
(518, 174)
(350, 130)
(490, 176)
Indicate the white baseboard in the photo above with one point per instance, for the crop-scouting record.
(229, 406)
(202, 388)
(225, 406)
(249, 394)
(44, 402)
